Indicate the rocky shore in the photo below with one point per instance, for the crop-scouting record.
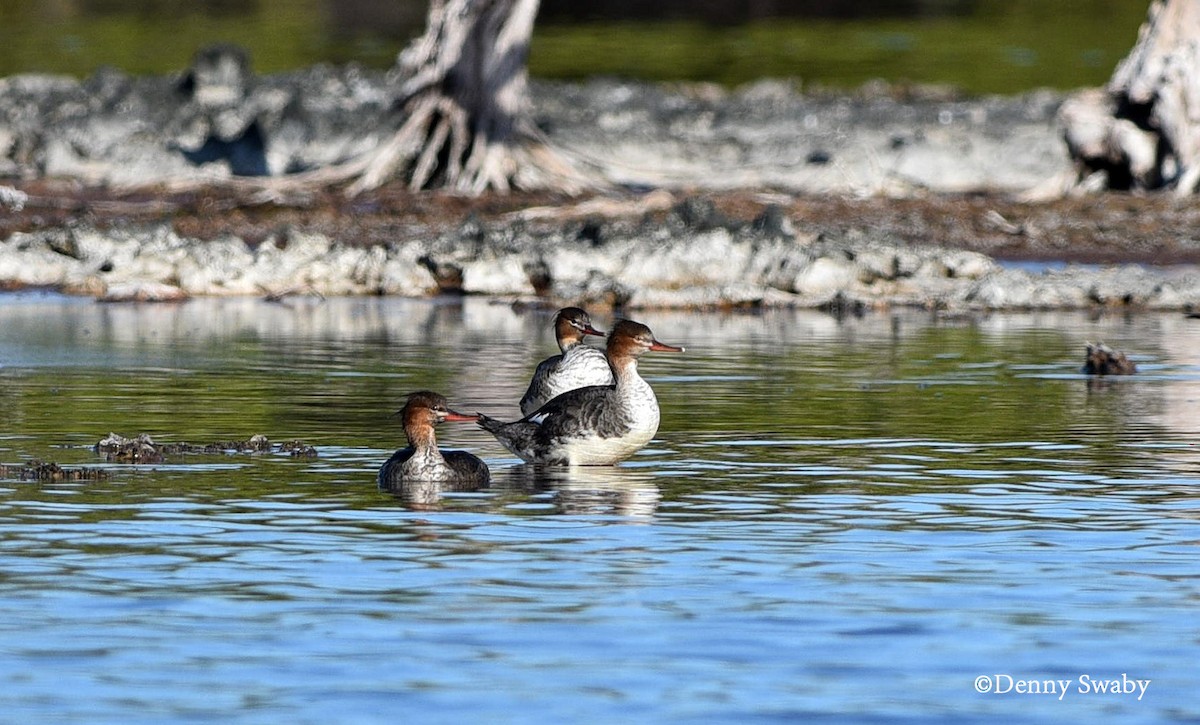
(760, 196)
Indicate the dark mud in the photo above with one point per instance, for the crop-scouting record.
(1104, 228)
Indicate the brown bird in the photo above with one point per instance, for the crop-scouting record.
(597, 425)
(577, 367)
(1103, 360)
(421, 460)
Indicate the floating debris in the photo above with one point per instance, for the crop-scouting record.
(1103, 360)
(280, 296)
(298, 449)
(37, 470)
(125, 450)
(143, 449)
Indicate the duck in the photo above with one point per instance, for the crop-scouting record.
(1103, 360)
(578, 366)
(597, 425)
(421, 460)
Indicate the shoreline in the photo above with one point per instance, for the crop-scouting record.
(655, 251)
(757, 197)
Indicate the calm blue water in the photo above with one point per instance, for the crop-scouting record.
(838, 522)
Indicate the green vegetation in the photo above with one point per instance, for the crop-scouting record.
(281, 35)
(1002, 47)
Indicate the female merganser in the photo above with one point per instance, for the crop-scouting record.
(577, 367)
(422, 461)
(597, 425)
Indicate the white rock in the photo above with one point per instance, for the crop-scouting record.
(504, 276)
(825, 276)
(708, 258)
(27, 259)
(217, 267)
(406, 278)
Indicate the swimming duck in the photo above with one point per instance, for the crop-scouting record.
(421, 460)
(1103, 360)
(597, 425)
(577, 367)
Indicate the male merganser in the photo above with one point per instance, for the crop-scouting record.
(577, 367)
(597, 425)
(422, 461)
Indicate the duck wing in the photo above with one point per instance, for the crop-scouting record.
(540, 387)
(469, 471)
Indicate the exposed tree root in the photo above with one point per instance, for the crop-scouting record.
(463, 116)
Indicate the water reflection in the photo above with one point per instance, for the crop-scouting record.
(625, 490)
(427, 495)
(768, 374)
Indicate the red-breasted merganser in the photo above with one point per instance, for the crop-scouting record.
(577, 367)
(597, 425)
(422, 461)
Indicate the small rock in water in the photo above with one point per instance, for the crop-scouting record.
(1103, 360)
(129, 450)
(144, 450)
(298, 449)
(50, 471)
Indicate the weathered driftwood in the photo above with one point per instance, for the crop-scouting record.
(1142, 131)
(462, 113)
(466, 124)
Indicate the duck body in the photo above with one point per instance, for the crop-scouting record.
(451, 467)
(578, 365)
(595, 425)
(422, 460)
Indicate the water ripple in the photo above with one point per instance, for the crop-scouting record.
(852, 525)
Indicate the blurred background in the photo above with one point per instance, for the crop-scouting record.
(979, 46)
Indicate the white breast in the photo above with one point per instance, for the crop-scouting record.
(580, 367)
(639, 407)
(426, 465)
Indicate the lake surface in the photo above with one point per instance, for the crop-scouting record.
(839, 521)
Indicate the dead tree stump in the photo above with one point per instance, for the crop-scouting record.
(463, 115)
(467, 123)
(1142, 131)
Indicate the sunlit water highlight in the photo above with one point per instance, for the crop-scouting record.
(838, 521)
